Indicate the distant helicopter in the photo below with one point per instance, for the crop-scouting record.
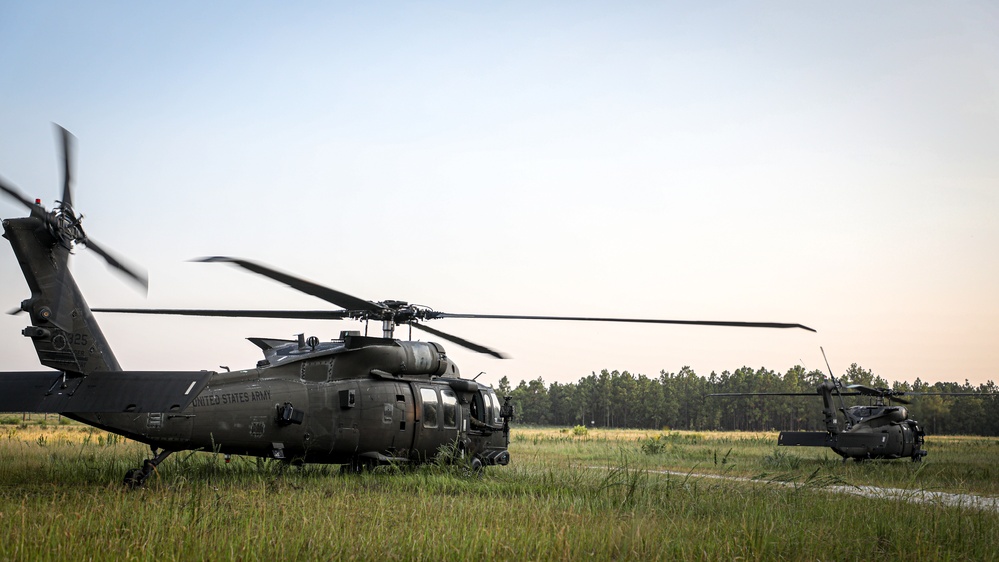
(357, 401)
(875, 431)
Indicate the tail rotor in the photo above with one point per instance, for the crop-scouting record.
(65, 225)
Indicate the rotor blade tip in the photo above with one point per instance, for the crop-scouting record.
(63, 130)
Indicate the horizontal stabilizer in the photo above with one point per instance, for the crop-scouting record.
(845, 440)
(806, 439)
(100, 391)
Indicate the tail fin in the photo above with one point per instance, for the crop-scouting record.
(64, 331)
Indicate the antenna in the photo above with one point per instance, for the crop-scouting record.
(837, 385)
(828, 367)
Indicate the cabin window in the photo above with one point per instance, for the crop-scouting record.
(429, 397)
(449, 402)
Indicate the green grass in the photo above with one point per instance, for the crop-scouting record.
(61, 498)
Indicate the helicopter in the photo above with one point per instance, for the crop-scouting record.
(358, 401)
(879, 430)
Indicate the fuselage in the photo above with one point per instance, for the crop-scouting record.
(882, 432)
(333, 404)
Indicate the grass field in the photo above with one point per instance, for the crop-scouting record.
(61, 498)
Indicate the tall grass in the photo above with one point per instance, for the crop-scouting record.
(61, 498)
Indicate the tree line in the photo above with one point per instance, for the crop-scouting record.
(613, 399)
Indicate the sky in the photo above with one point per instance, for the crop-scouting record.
(829, 164)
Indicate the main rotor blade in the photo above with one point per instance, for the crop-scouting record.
(67, 166)
(291, 314)
(333, 296)
(460, 341)
(904, 393)
(888, 396)
(730, 394)
(630, 320)
(866, 390)
(137, 275)
(16, 194)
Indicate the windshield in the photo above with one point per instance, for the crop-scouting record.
(494, 406)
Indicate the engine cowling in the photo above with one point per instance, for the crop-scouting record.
(422, 358)
(898, 414)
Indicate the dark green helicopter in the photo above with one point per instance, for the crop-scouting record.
(357, 401)
(879, 430)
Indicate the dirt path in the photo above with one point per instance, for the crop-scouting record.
(914, 496)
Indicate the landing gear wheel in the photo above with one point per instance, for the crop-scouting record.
(134, 478)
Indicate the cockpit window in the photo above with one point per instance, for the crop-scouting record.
(480, 410)
(494, 402)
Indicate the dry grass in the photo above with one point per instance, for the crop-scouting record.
(60, 499)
